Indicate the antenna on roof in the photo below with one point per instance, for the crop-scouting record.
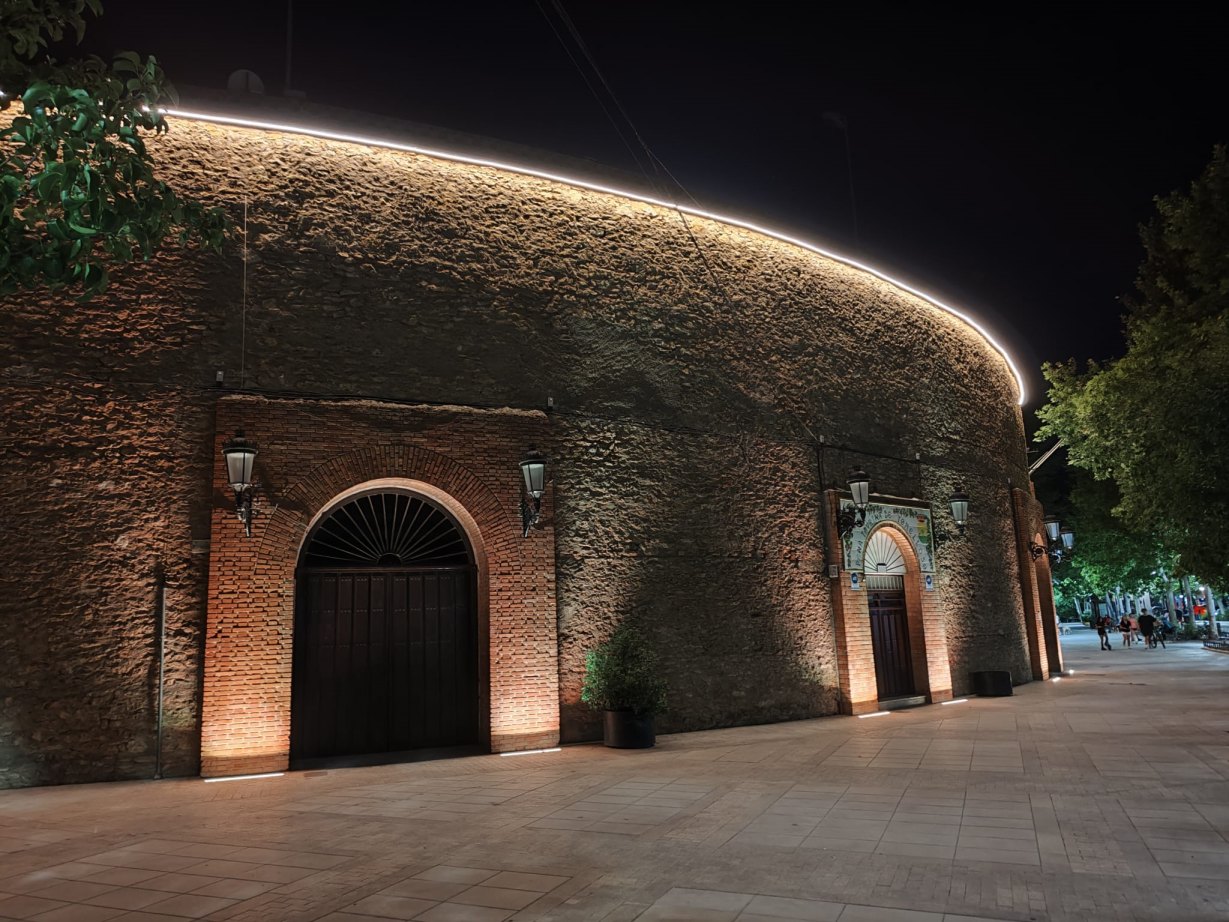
(287, 86)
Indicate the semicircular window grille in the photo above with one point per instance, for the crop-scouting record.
(387, 530)
(883, 556)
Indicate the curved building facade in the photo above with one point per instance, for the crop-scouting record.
(395, 332)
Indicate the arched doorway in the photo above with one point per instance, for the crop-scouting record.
(884, 569)
(386, 640)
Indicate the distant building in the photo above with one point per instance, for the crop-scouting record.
(412, 326)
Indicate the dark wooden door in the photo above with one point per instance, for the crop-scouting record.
(890, 642)
(384, 661)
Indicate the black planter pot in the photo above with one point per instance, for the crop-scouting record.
(624, 730)
(991, 683)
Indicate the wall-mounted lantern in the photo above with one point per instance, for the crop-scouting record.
(959, 504)
(1052, 525)
(860, 489)
(533, 473)
(240, 456)
(1060, 541)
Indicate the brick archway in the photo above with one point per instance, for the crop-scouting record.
(249, 639)
(472, 533)
(928, 644)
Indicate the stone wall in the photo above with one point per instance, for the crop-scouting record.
(689, 398)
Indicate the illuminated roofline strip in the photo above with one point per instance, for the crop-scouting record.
(607, 190)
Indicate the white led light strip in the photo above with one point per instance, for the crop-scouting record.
(244, 777)
(608, 190)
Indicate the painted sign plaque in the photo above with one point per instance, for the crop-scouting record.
(911, 520)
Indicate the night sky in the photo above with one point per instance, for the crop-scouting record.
(1002, 159)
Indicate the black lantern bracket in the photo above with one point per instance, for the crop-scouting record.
(1060, 542)
(245, 507)
(943, 536)
(531, 514)
(1056, 554)
(849, 518)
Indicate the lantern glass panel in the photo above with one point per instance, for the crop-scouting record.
(1051, 526)
(960, 508)
(534, 472)
(1068, 537)
(860, 488)
(239, 464)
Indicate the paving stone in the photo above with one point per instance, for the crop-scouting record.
(79, 913)
(456, 912)
(457, 875)
(127, 898)
(391, 907)
(436, 890)
(24, 906)
(884, 914)
(190, 905)
(777, 907)
(516, 880)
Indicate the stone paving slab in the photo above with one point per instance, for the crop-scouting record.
(1102, 796)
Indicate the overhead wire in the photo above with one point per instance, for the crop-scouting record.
(592, 89)
(658, 167)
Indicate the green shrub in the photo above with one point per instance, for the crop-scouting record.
(624, 674)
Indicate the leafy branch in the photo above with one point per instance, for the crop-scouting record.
(78, 190)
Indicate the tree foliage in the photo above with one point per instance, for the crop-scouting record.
(1111, 556)
(1154, 420)
(78, 190)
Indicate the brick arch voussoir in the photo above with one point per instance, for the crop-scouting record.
(912, 565)
(287, 524)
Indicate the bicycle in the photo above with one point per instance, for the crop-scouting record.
(1157, 636)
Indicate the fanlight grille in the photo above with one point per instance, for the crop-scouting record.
(883, 556)
(387, 530)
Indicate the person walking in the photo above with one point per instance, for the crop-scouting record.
(1124, 627)
(1149, 628)
(1103, 631)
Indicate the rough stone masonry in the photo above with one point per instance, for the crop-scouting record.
(703, 396)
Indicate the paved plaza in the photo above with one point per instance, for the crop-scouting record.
(1101, 796)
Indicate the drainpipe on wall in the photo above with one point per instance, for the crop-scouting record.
(160, 618)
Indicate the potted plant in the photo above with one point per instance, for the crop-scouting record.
(623, 679)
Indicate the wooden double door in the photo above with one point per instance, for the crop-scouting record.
(890, 642)
(385, 660)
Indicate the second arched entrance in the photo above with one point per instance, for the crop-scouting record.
(386, 639)
(885, 571)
